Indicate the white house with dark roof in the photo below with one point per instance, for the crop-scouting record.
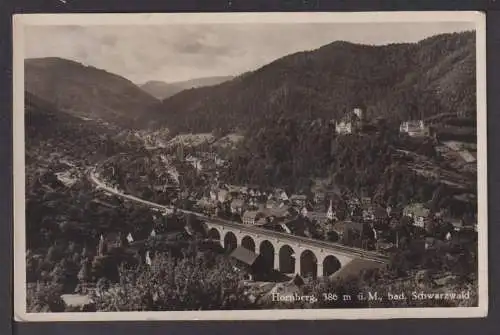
(298, 199)
(252, 217)
(418, 212)
(414, 128)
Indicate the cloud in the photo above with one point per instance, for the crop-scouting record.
(180, 52)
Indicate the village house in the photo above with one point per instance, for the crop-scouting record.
(272, 204)
(467, 156)
(380, 215)
(207, 206)
(414, 128)
(297, 226)
(254, 217)
(368, 215)
(78, 302)
(281, 195)
(253, 203)
(109, 242)
(213, 195)
(418, 213)
(298, 200)
(431, 243)
(209, 155)
(277, 213)
(458, 224)
(195, 162)
(342, 228)
(319, 197)
(353, 203)
(249, 262)
(223, 195)
(385, 246)
(237, 206)
(366, 202)
(319, 217)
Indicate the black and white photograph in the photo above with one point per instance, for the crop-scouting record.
(239, 166)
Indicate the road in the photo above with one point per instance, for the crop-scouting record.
(369, 255)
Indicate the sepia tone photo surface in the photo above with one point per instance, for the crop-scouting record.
(250, 166)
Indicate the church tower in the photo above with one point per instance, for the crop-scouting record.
(329, 213)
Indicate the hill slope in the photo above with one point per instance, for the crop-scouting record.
(85, 91)
(162, 90)
(436, 75)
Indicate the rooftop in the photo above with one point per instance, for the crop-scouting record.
(237, 203)
(252, 214)
(244, 255)
(355, 267)
(75, 300)
(417, 209)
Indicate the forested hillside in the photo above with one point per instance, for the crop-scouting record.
(86, 91)
(295, 154)
(162, 90)
(436, 75)
(58, 134)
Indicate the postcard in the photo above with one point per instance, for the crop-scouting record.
(250, 166)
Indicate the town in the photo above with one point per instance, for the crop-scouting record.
(326, 214)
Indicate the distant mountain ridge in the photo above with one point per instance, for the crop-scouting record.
(163, 90)
(85, 90)
(411, 80)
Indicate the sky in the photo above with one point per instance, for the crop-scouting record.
(178, 52)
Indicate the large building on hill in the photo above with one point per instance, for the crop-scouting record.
(350, 122)
(414, 128)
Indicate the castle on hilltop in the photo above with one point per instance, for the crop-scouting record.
(350, 123)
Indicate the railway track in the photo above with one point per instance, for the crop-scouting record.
(369, 255)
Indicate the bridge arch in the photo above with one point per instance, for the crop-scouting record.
(266, 251)
(230, 241)
(308, 264)
(204, 229)
(248, 243)
(331, 264)
(287, 259)
(214, 234)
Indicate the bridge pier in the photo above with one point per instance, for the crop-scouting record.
(297, 266)
(292, 255)
(319, 270)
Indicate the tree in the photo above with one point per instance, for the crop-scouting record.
(85, 271)
(44, 298)
(191, 283)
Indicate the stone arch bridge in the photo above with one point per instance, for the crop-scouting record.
(283, 252)
(287, 253)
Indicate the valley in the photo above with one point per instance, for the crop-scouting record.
(348, 148)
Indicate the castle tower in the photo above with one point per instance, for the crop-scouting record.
(359, 113)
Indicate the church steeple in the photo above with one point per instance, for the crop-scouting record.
(329, 212)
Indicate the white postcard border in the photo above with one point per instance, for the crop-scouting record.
(22, 20)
